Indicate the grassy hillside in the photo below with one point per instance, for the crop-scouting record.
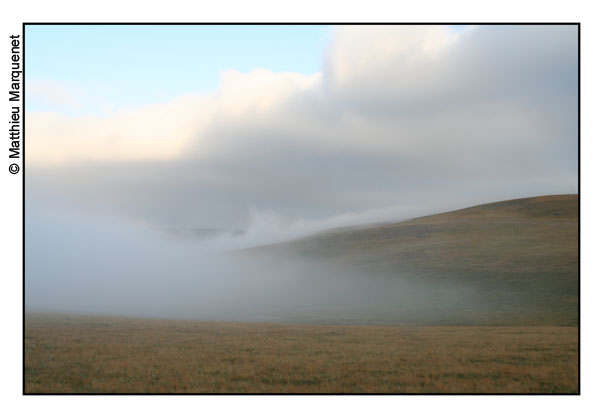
(522, 256)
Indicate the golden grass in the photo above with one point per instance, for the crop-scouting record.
(70, 354)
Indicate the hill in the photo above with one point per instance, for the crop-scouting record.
(521, 257)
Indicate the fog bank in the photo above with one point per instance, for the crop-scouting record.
(108, 267)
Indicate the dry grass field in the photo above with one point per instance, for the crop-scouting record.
(78, 354)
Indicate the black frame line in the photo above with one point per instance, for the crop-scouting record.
(23, 206)
(24, 24)
(297, 23)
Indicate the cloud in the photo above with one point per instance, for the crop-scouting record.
(52, 94)
(361, 52)
(163, 131)
(401, 120)
(154, 132)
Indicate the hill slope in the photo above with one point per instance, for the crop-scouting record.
(521, 255)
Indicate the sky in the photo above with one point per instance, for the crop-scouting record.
(162, 141)
(87, 69)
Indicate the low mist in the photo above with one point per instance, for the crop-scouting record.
(105, 266)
